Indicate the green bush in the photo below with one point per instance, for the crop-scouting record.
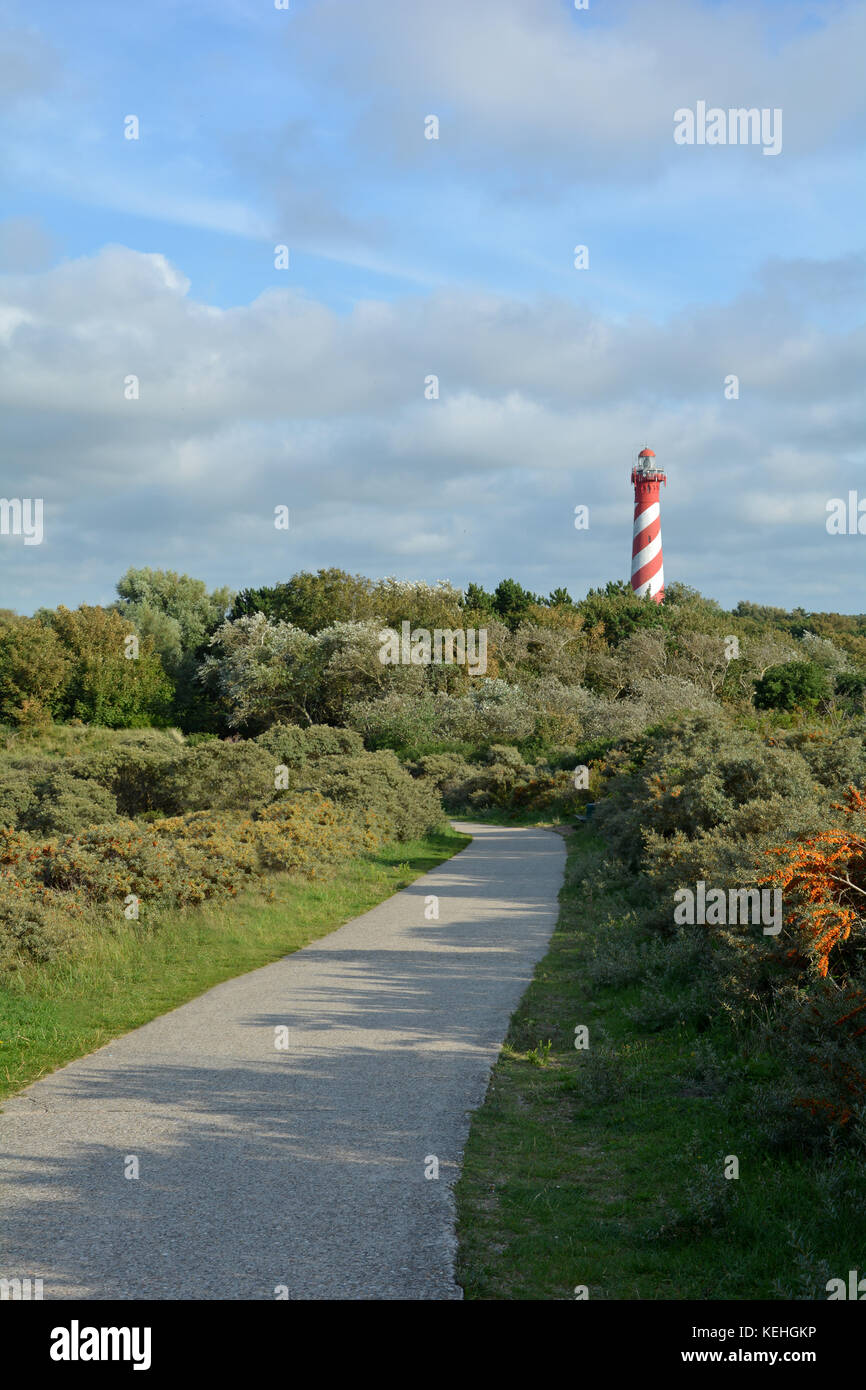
(220, 777)
(795, 685)
(294, 746)
(16, 794)
(447, 771)
(63, 804)
(32, 930)
(408, 806)
(138, 774)
(397, 720)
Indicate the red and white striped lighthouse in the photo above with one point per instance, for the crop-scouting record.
(647, 570)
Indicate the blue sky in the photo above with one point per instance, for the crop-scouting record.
(410, 256)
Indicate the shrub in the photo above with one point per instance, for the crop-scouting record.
(796, 684)
(397, 720)
(314, 831)
(137, 774)
(16, 794)
(220, 777)
(63, 804)
(446, 771)
(32, 930)
(408, 807)
(294, 746)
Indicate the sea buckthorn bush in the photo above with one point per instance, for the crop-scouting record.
(63, 804)
(740, 808)
(16, 794)
(136, 773)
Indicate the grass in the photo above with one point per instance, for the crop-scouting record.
(603, 1167)
(52, 1013)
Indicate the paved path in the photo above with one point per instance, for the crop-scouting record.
(303, 1168)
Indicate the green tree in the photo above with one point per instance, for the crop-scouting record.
(796, 685)
(309, 601)
(511, 601)
(477, 599)
(104, 685)
(264, 671)
(314, 602)
(193, 612)
(33, 671)
(560, 598)
(179, 614)
(619, 611)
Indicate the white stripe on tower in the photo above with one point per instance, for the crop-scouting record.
(647, 569)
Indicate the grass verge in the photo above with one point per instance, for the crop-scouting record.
(50, 1014)
(604, 1168)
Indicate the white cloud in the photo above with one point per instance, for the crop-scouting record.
(542, 406)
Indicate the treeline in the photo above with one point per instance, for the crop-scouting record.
(168, 653)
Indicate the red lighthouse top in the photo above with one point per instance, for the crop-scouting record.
(646, 470)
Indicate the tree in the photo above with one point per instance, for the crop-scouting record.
(796, 685)
(314, 602)
(179, 614)
(511, 601)
(194, 612)
(33, 671)
(560, 598)
(264, 671)
(701, 658)
(107, 682)
(309, 601)
(617, 608)
(479, 600)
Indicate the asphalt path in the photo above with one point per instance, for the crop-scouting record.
(287, 1126)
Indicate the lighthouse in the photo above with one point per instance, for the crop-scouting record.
(647, 570)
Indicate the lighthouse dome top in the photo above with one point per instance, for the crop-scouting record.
(646, 454)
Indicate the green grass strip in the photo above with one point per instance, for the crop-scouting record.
(604, 1168)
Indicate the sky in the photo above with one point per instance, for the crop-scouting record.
(260, 385)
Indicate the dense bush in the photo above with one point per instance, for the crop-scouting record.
(294, 746)
(702, 795)
(128, 870)
(220, 777)
(709, 801)
(137, 773)
(63, 804)
(16, 793)
(33, 927)
(792, 686)
(396, 720)
(407, 807)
